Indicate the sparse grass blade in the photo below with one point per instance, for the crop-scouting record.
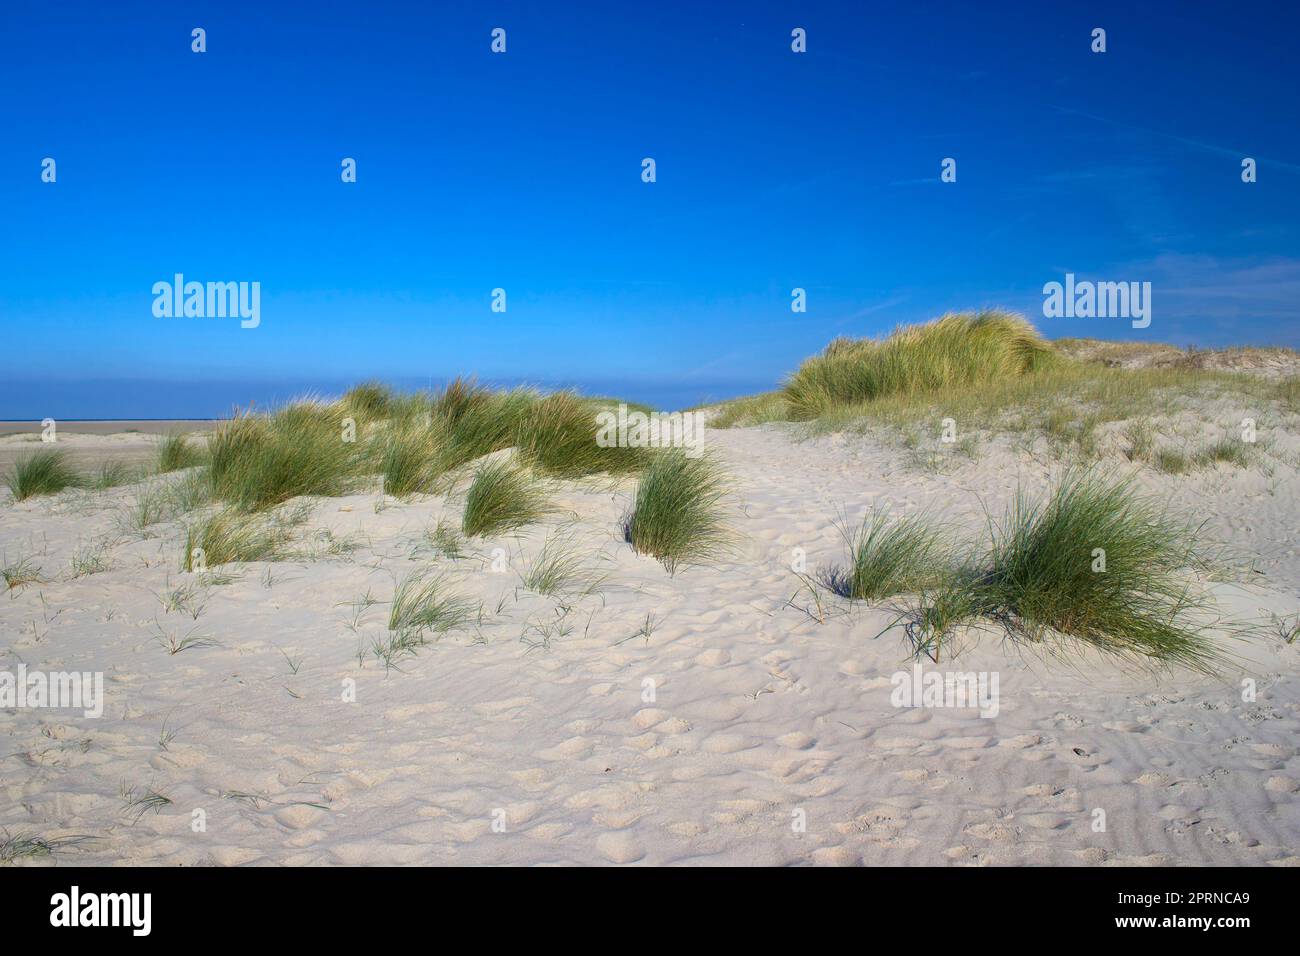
(560, 570)
(677, 515)
(424, 602)
(20, 573)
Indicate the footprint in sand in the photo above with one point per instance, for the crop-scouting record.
(619, 847)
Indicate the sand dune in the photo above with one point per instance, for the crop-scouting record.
(698, 718)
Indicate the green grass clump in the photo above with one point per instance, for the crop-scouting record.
(470, 421)
(1228, 450)
(677, 513)
(259, 461)
(906, 556)
(953, 352)
(1093, 562)
(1140, 440)
(501, 498)
(368, 401)
(409, 457)
(230, 536)
(175, 453)
(558, 437)
(44, 472)
(1171, 461)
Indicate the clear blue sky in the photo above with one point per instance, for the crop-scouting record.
(522, 171)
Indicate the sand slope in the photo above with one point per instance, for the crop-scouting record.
(541, 720)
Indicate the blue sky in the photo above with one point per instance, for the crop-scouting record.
(522, 171)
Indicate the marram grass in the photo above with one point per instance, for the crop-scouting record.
(175, 453)
(44, 472)
(230, 536)
(502, 497)
(888, 556)
(677, 515)
(259, 461)
(1092, 562)
(953, 352)
(409, 457)
(558, 437)
(368, 401)
(423, 602)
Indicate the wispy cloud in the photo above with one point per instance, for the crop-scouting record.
(1195, 144)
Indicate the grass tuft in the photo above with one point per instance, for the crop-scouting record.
(260, 461)
(560, 570)
(422, 604)
(502, 497)
(19, 574)
(558, 438)
(229, 536)
(175, 453)
(114, 473)
(1093, 562)
(44, 472)
(368, 401)
(956, 351)
(677, 513)
(408, 458)
(904, 556)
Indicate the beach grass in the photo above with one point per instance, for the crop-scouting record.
(44, 472)
(953, 352)
(368, 401)
(231, 536)
(19, 573)
(424, 602)
(890, 556)
(1069, 394)
(408, 457)
(259, 461)
(558, 438)
(175, 453)
(561, 570)
(474, 421)
(502, 497)
(677, 513)
(114, 473)
(1092, 562)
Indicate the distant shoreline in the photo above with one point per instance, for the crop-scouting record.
(111, 426)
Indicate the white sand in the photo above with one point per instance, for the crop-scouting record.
(759, 711)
